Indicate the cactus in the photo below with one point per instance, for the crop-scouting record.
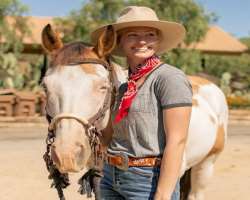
(225, 83)
(9, 75)
(13, 76)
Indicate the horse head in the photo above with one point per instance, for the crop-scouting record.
(78, 87)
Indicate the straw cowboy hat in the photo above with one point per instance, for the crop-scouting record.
(171, 33)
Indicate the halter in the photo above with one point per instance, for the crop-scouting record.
(61, 181)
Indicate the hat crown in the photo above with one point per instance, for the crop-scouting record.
(137, 13)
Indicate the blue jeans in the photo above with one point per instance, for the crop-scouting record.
(137, 183)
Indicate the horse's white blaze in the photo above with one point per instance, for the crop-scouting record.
(101, 71)
(75, 87)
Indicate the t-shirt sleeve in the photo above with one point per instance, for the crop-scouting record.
(174, 90)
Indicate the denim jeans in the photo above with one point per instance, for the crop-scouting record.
(137, 183)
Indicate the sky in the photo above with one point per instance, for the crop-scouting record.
(232, 15)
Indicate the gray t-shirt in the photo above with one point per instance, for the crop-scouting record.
(141, 132)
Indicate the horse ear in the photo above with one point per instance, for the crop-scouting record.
(106, 42)
(50, 39)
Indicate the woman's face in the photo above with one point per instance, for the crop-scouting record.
(139, 43)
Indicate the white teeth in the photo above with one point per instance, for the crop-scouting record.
(141, 49)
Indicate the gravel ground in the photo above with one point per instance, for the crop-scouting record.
(24, 176)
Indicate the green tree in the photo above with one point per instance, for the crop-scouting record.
(79, 24)
(237, 66)
(246, 41)
(13, 28)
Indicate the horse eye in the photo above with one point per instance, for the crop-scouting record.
(104, 87)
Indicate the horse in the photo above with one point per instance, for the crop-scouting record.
(78, 85)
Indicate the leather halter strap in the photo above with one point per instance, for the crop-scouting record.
(91, 61)
(61, 116)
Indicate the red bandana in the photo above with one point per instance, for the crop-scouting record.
(131, 92)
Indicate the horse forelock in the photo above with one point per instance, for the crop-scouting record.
(72, 53)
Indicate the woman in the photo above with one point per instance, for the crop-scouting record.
(152, 111)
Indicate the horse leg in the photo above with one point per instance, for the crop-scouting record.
(200, 177)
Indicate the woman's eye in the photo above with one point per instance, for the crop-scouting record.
(103, 88)
(151, 34)
(131, 35)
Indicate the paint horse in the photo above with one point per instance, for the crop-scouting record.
(76, 91)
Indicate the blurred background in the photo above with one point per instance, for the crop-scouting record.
(216, 47)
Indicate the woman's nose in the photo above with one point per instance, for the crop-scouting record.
(142, 40)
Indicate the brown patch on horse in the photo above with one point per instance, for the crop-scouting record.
(219, 142)
(197, 82)
(88, 69)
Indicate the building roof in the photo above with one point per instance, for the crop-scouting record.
(36, 25)
(217, 40)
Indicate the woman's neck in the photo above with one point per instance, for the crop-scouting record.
(134, 63)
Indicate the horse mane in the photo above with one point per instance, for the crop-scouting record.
(71, 53)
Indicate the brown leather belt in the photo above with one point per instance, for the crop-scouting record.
(123, 162)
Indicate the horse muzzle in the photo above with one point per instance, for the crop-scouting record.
(68, 160)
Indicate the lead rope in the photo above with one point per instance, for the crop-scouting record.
(90, 180)
(59, 180)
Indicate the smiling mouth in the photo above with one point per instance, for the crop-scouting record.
(144, 49)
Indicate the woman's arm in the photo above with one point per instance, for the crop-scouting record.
(176, 123)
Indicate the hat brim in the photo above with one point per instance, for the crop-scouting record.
(172, 33)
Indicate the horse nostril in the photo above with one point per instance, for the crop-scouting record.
(79, 150)
(54, 156)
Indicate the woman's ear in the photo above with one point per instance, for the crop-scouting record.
(106, 42)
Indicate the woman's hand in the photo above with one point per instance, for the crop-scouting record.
(161, 196)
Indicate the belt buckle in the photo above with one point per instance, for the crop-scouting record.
(124, 166)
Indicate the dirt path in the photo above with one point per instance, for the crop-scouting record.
(23, 175)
